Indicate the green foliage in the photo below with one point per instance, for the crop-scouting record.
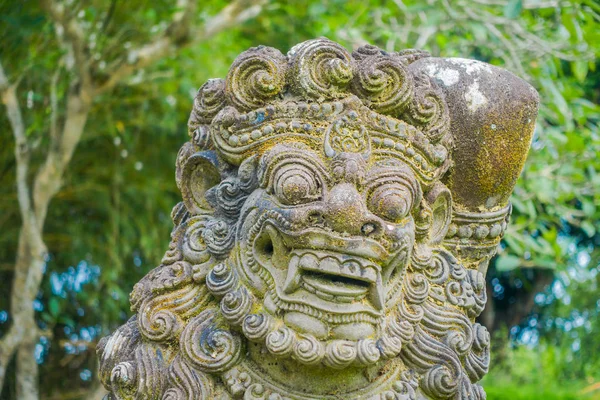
(109, 224)
(526, 373)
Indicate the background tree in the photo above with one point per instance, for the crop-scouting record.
(97, 94)
(92, 60)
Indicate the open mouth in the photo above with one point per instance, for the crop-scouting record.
(335, 270)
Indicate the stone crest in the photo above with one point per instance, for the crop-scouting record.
(339, 212)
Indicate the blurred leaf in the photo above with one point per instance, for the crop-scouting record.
(513, 8)
(507, 263)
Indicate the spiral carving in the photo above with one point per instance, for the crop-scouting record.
(123, 379)
(477, 281)
(281, 341)
(207, 347)
(219, 237)
(187, 383)
(257, 326)
(221, 280)
(389, 346)
(383, 83)
(429, 108)
(339, 354)
(111, 350)
(367, 352)
(402, 329)
(209, 100)
(256, 76)
(161, 318)
(439, 382)
(142, 377)
(236, 305)
(478, 360)
(193, 245)
(365, 51)
(416, 288)
(230, 197)
(320, 69)
(308, 350)
(411, 313)
(435, 265)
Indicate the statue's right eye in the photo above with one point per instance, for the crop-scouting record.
(296, 184)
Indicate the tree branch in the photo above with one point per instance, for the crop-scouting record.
(181, 33)
(32, 250)
(74, 36)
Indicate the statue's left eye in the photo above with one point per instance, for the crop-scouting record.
(296, 184)
(391, 201)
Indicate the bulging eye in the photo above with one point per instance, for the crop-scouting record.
(391, 201)
(296, 184)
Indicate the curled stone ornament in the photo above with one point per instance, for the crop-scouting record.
(257, 326)
(207, 347)
(320, 69)
(383, 83)
(256, 76)
(334, 233)
(209, 100)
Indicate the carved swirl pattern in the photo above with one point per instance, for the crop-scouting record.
(256, 76)
(281, 341)
(308, 350)
(209, 100)
(221, 280)
(321, 69)
(194, 246)
(140, 377)
(111, 350)
(429, 108)
(161, 317)
(383, 83)
(257, 326)
(339, 354)
(186, 383)
(367, 352)
(235, 305)
(208, 347)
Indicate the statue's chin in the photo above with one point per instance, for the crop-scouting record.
(306, 324)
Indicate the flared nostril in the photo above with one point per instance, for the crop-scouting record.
(370, 229)
(316, 218)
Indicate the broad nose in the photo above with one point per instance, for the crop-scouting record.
(345, 212)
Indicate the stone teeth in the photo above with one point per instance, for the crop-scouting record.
(324, 295)
(377, 293)
(330, 264)
(292, 280)
(309, 262)
(351, 266)
(369, 273)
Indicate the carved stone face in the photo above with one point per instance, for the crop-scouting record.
(325, 247)
(333, 234)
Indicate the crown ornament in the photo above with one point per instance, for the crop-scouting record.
(400, 112)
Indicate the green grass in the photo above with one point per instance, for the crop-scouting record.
(509, 391)
(537, 373)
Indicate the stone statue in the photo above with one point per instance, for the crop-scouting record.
(339, 213)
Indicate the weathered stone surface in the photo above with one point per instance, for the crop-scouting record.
(339, 212)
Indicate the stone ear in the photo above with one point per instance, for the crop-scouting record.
(198, 173)
(439, 201)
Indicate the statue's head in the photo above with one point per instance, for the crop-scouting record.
(318, 228)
